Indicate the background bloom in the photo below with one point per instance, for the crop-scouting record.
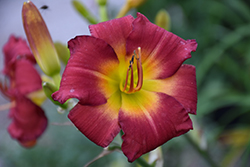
(28, 119)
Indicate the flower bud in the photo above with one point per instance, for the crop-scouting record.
(40, 40)
(162, 19)
(101, 2)
(128, 6)
(62, 51)
(135, 3)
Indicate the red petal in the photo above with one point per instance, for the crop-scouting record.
(151, 122)
(14, 48)
(29, 121)
(162, 52)
(88, 71)
(114, 32)
(27, 79)
(182, 86)
(98, 123)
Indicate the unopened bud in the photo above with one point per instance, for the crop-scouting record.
(40, 40)
(62, 51)
(101, 2)
(162, 19)
(128, 6)
(135, 3)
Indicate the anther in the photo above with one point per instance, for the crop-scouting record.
(132, 60)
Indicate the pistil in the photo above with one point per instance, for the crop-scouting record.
(130, 70)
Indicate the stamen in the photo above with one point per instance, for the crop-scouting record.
(139, 74)
(139, 71)
(7, 106)
(126, 81)
(130, 66)
(131, 87)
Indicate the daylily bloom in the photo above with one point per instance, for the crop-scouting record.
(128, 75)
(29, 120)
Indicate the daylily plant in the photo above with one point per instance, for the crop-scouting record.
(28, 119)
(128, 76)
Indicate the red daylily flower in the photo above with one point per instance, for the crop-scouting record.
(29, 120)
(128, 75)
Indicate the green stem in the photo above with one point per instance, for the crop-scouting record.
(111, 148)
(203, 153)
(142, 162)
(103, 13)
(57, 79)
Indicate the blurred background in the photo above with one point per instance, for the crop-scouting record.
(222, 59)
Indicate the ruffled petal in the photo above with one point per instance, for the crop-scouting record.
(89, 74)
(114, 32)
(29, 121)
(13, 49)
(27, 79)
(98, 123)
(162, 51)
(148, 120)
(182, 86)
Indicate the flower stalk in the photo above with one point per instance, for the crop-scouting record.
(142, 162)
(203, 153)
(103, 10)
(7, 106)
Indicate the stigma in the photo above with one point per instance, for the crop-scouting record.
(130, 85)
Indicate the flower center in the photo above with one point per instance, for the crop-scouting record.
(131, 85)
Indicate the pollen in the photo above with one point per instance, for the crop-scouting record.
(130, 85)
